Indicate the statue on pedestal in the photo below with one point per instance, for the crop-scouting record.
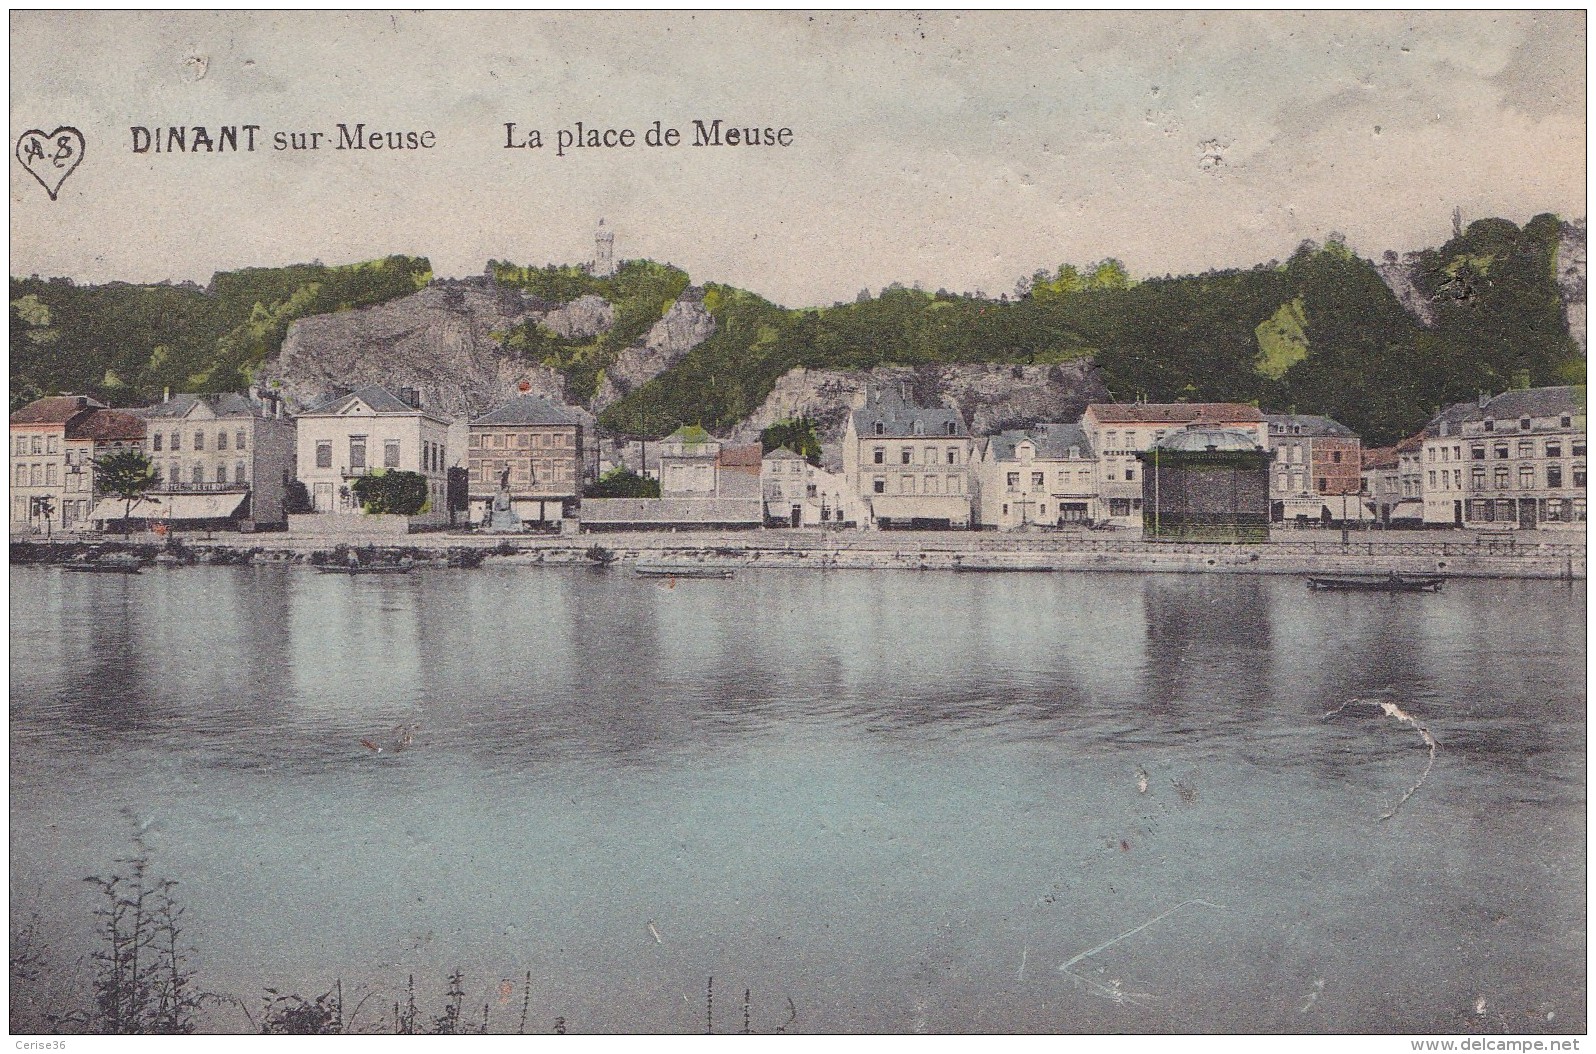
(502, 517)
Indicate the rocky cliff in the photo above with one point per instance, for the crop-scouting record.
(441, 341)
(1571, 278)
(686, 325)
(992, 397)
(1397, 272)
(438, 341)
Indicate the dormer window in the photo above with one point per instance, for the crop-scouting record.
(881, 429)
(1490, 425)
(952, 430)
(1523, 424)
(919, 428)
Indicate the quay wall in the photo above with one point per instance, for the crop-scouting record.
(928, 551)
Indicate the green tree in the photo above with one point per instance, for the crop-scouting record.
(622, 482)
(126, 474)
(394, 493)
(798, 435)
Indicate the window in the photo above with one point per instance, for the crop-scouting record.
(177, 438)
(932, 484)
(1501, 477)
(221, 440)
(475, 440)
(1005, 508)
(155, 443)
(49, 475)
(238, 440)
(390, 453)
(906, 454)
(198, 475)
(1130, 474)
(1446, 454)
(953, 456)
(1500, 450)
(1566, 421)
(1490, 425)
(1038, 481)
(1335, 457)
(1477, 451)
(1576, 447)
(238, 472)
(919, 428)
(36, 476)
(879, 485)
(173, 476)
(1579, 475)
(906, 485)
(357, 452)
(880, 455)
(1432, 453)
(1526, 448)
(476, 469)
(199, 440)
(1554, 475)
(38, 444)
(1324, 484)
(1432, 476)
(1119, 506)
(1477, 479)
(324, 453)
(1554, 448)
(1523, 424)
(1526, 477)
(881, 429)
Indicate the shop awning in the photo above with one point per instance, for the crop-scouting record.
(171, 507)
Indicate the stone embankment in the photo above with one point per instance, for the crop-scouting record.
(929, 551)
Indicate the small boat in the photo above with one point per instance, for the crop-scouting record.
(685, 570)
(113, 564)
(1392, 583)
(364, 569)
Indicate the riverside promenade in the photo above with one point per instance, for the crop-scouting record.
(1455, 553)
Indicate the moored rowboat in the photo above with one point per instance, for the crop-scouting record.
(1393, 583)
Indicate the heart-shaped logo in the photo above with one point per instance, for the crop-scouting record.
(50, 157)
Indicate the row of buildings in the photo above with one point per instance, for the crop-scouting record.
(1171, 469)
(240, 462)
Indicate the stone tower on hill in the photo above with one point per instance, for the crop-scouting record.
(604, 252)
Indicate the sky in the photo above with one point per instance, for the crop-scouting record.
(952, 150)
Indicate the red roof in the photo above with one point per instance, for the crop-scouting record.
(1380, 457)
(1178, 413)
(54, 410)
(1412, 442)
(750, 456)
(106, 426)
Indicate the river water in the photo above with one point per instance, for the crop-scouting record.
(875, 801)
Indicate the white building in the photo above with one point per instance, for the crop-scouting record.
(908, 464)
(799, 494)
(369, 430)
(1516, 459)
(223, 461)
(1044, 475)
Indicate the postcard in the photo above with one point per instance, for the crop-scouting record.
(820, 523)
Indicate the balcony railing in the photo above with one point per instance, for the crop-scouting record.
(163, 487)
